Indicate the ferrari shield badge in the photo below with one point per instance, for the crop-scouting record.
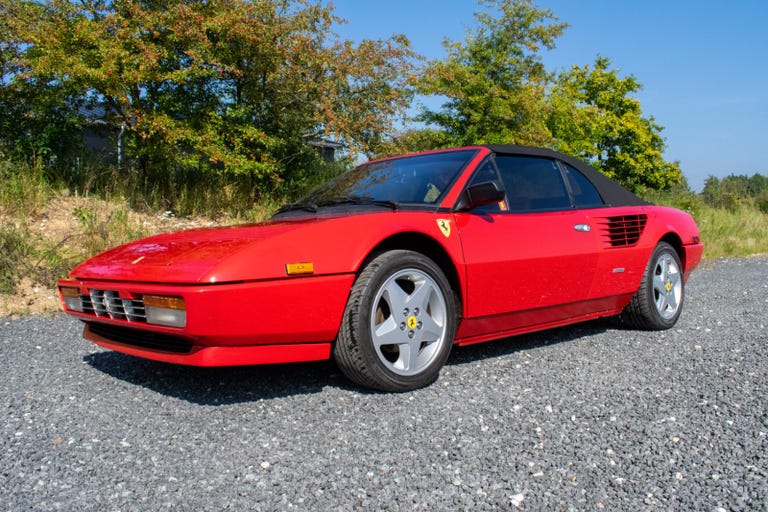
(445, 226)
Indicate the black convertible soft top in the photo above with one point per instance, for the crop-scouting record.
(612, 193)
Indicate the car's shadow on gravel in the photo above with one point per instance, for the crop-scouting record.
(219, 386)
(239, 384)
(505, 346)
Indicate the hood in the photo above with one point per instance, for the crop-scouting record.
(334, 244)
(193, 256)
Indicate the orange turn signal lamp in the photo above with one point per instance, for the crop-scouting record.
(161, 301)
(70, 292)
(295, 269)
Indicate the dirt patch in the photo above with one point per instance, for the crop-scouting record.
(68, 223)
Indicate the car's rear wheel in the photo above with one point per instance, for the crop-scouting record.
(399, 323)
(659, 300)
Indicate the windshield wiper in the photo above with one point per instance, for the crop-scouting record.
(335, 201)
(358, 200)
(386, 202)
(307, 207)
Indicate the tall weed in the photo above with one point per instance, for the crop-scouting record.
(105, 228)
(24, 190)
(14, 253)
(681, 198)
(26, 255)
(27, 186)
(733, 232)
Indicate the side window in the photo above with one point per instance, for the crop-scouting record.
(486, 172)
(533, 183)
(585, 194)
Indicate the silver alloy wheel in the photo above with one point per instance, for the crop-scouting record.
(667, 286)
(408, 322)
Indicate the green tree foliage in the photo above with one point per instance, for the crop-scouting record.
(232, 86)
(593, 116)
(37, 112)
(415, 140)
(498, 91)
(735, 191)
(494, 81)
(10, 49)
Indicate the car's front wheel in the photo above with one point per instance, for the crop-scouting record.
(399, 323)
(659, 300)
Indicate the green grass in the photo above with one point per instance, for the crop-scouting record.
(24, 254)
(24, 190)
(726, 232)
(193, 192)
(733, 233)
(105, 228)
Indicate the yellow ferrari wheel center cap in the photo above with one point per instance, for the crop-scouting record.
(411, 322)
(668, 286)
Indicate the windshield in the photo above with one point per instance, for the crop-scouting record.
(420, 179)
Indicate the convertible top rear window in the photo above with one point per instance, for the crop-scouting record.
(584, 193)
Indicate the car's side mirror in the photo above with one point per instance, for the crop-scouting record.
(480, 194)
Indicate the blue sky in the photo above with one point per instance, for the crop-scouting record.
(703, 64)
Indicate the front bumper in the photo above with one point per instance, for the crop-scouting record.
(264, 322)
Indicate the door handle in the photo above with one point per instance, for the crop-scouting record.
(584, 228)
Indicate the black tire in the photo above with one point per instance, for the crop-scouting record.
(399, 323)
(659, 300)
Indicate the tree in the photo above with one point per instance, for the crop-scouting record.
(734, 191)
(494, 81)
(37, 118)
(498, 91)
(11, 128)
(593, 116)
(232, 86)
(414, 140)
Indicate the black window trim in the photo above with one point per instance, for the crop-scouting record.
(612, 193)
(560, 164)
(568, 189)
(492, 159)
(564, 174)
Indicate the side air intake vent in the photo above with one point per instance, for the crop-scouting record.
(622, 231)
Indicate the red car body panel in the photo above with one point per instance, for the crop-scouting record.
(259, 251)
(513, 273)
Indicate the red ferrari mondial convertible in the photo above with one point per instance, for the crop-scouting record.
(389, 265)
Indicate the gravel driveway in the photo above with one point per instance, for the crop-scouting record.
(587, 417)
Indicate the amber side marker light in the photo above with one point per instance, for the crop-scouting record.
(296, 269)
(71, 298)
(167, 311)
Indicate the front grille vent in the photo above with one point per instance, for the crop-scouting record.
(142, 339)
(624, 230)
(108, 304)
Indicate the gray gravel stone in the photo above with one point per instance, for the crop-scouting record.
(586, 417)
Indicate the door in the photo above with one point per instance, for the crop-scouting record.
(522, 261)
(531, 259)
